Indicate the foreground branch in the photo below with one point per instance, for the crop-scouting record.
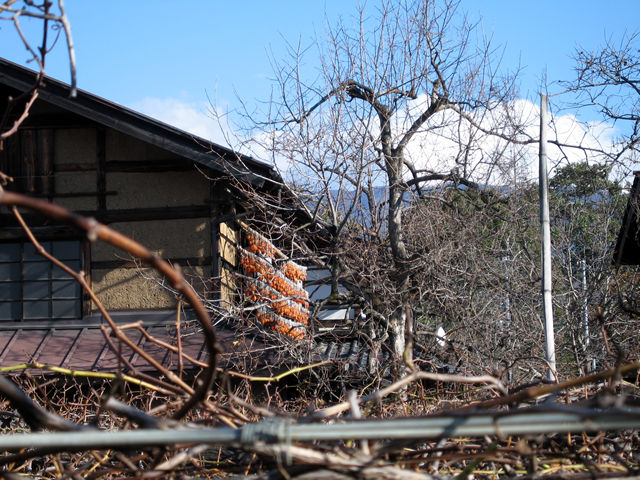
(434, 377)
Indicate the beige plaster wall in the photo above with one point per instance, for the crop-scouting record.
(128, 289)
(73, 182)
(147, 190)
(77, 203)
(75, 145)
(189, 237)
(228, 244)
(138, 289)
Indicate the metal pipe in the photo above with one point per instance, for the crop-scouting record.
(282, 431)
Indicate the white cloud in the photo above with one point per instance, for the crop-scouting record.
(436, 148)
(491, 159)
(192, 117)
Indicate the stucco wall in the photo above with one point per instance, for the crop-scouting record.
(128, 289)
(180, 238)
(74, 182)
(139, 289)
(76, 146)
(144, 190)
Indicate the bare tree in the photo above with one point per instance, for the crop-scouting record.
(608, 79)
(401, 104)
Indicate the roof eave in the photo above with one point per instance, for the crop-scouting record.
(216, 157)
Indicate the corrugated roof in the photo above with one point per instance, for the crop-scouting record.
(85, 348)
(356, 357)
(82, 345)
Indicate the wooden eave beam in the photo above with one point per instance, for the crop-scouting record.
(124, 215)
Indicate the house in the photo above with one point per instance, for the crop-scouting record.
(174, 193)
(165, 188)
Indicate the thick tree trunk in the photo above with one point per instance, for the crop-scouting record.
(396, 240)
(397, 324)
(398, 319)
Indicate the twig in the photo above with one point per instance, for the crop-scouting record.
(127, 364)
(144, 420)
(176, 460)
(534, 392)
(179, 335)
(32, 413)
(19, 121)
(279, 377)
(4, 178)
(64, 21)
(355, 413)
(436, 377)
(335, 461)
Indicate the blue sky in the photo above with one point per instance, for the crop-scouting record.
(169, 59)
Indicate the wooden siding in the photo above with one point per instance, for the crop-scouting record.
(228, 257)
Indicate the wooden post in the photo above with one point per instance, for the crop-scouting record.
(101, 171)
(215, 213)
(547, 299)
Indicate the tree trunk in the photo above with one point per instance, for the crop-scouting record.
(407, 356)
(397, 324)
(396, 240)
(398, 319)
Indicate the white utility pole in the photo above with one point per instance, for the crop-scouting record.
(547, 299)
(585, 305)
